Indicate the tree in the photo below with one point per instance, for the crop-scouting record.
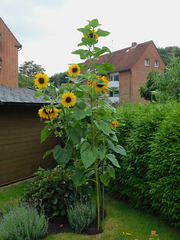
(27, 72)
(163, 87)
(59, 78)
(168, 53)
(30, 69)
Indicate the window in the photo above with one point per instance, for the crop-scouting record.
(146, 62)
(156, 63)
(115, 77)
(115, 94)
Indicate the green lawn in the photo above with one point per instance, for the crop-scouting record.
(120, 218)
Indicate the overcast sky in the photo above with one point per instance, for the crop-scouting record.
(47, 29)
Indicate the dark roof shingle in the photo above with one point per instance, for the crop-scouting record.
(19, 95)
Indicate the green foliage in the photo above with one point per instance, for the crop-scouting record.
(149, 174)
(163, 87)
(81, 215)
(53, 190)
(23, 222)
(25, 82)
(30, 69)
(168, 53)
(59, 78)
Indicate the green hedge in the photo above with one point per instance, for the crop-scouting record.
(149, 176)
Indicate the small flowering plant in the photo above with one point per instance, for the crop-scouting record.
(84, 119)
(154, 236)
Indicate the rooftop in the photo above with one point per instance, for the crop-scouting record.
(19, 95)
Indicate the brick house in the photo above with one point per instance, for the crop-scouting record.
(132, 65)
(9, 47)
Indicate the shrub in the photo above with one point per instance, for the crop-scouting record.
(53, 190)
(81, 215)
(148, 177)
(23, 222)
(163, 173)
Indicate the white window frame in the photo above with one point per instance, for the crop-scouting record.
(112, 77)
(146, 62)
(116, 92)
(156, 63)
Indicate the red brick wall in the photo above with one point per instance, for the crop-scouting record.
(9, 55)
(124, 87)
(140, 71)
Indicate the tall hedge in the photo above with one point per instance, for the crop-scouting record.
(149, 176)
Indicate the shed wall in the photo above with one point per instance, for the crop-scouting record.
(21, 152)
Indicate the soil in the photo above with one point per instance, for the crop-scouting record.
(60, 225)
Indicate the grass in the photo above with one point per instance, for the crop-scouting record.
(12, 193)
(120, 218)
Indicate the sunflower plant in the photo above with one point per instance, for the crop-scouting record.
(84, 119)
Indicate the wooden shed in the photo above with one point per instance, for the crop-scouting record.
(21, 152)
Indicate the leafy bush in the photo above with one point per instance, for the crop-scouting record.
(81, 215)
(148, 177)
(23, 222)
(53, 190)
(163, 174)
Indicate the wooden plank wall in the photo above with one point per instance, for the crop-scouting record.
(20, 149)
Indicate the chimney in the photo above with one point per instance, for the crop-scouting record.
(134, 44)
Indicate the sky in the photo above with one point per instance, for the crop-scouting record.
(47, 29)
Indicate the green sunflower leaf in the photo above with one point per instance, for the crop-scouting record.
(89, 41)
(102, 152)
(75, 133)
(78, 177)
(105, 178)
(103, 126)
(118, 149)
(88, 155)
(62, 155)
(111, 171)
(94, 23)
(102, 33)
(113, 159)
(47, 153)
(37, 94)
(45, 133)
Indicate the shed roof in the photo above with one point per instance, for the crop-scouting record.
(19, 95)
(126, 58)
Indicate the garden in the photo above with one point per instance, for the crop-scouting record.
(117, 173)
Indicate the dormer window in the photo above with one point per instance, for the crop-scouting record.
(156, 63)
(146, 62)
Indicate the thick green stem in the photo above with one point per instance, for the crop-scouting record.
(97, 194)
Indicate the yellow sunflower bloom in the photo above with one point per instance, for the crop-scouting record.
(92, 35)
(48, 113)
(74, 70)
(53, 113)
(89, 83)
(98, 87)
(41, 80)
(68, 99)
(114, 124)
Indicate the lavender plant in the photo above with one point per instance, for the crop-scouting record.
(23, 222)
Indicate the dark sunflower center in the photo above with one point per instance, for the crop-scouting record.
(99, 85)
(41, 80)
(91, 35)
(68, 99)
(44, 110)
(74, 70)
